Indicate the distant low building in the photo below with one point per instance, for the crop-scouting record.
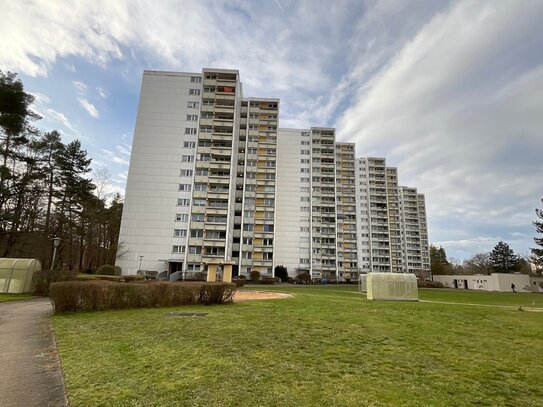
(494, 282)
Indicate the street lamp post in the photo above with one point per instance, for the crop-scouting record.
(56, 243)
(141, 259)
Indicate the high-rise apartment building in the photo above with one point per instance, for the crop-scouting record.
(212, 177)
(201, 184)
(416, 255)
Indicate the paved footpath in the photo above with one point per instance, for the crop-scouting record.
(30, 373)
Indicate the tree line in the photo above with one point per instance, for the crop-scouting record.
(46, 191)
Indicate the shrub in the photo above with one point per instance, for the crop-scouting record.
(429, 284)
(216, 293)
(267, 280)
(282, 273)
(255, 275)
(133, 277)
(118, 271)
(106, 270)
(239, 282)
(96, 295)
(42, 279)
(303, 278)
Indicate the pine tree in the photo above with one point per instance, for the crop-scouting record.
(438, 260)
(537, 252)
(503, 259)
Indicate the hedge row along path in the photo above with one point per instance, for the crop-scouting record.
(30, 373)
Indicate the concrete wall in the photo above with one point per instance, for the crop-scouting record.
(495, 282)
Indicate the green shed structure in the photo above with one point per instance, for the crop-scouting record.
(16, 274)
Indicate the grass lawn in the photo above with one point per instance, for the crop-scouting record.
(15, 297)
(328, 346)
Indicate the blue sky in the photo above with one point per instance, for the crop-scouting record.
(450, 92)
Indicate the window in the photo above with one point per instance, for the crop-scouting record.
(304, 199)
(190, 130)
(248, 240)
(195, 249)
(305, 152)
(270, 176)
(250, 175)
(196, 233)
(270, 164)
(185, 173)
(183, 202)
(189, 144)
(304, 228)
(270, 152)
(247, 255)
(187, 158)
(192, 117)
(251, 163)
(178, 249)
(304, 261)
(304, 189)
(180, 233)
(268, 215)
(216, 219)
(206, 129)
(269, 202)
(304, 208)
(267, 242)
(201, 172)
(249, 214)
(250, 187)
(184, 187)
(305, 142)
(200, 187)
(268, 228)
(199, 202)
(196, 79)
(247, 227)
(181, 217)
(251, 151)
(304, 179)
(304, 170)
(194, 92)
(267, 256)
(304, 160)
(197, 217)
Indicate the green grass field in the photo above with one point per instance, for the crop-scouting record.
(328, 346)
(15, 297)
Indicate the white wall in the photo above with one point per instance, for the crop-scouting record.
(152, 190)
(495, 282)
(290, 243)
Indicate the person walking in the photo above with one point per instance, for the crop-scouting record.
(513, 287)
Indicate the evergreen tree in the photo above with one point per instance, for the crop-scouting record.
(537, 252)
(438, 260)
(503, 259)
(282, 273)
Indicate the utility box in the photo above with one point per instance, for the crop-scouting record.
(392, 287)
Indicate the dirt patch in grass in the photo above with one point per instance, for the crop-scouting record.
(259, 295)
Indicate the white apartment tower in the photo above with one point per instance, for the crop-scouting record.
(212, 177)
(198, 152)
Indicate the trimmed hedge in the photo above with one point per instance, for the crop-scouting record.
(78, 296)
(106, 270)
(429, 284)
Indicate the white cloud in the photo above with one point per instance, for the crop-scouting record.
(89, 107)
(111, 156)
(458, 110)
(80, 86)
(69, 67)
(102, 92)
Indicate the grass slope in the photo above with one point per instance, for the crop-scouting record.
(328, 346)
(15, 297)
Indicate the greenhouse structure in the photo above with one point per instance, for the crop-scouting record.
(392, 286)
(16, 274)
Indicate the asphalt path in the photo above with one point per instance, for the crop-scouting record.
(30, 370)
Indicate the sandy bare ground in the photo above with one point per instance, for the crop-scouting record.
(259, 295)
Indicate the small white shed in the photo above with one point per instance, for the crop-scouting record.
(392, 286)
(16, 274)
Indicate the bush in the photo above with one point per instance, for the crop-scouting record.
(255, 275)
(239, 282)
(118, 271)
(97, 295)
(106, 270)
(429, 284)
(282, 273)
(42, 279)
(267, 280)
(303, 278)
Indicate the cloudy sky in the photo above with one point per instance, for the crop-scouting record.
(450, 92)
